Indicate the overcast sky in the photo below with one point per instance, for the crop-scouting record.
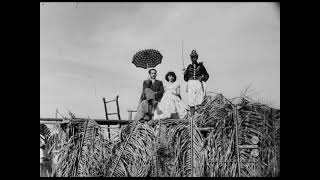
(86, 51)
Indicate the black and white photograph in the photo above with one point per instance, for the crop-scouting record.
(159, 89)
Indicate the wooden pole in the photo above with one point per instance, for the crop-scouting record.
(99, 121)
(105, 108)
(118, 109)
(191, 128)
(223, 148)
(103, 122)
(235, 119)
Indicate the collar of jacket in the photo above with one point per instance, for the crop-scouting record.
(197, 64)
(154, 80)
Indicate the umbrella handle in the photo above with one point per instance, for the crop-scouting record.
(147, 69)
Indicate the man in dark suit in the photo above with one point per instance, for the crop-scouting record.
(146, 107)
(155, 85)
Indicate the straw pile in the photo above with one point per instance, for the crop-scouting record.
(245, 140)
(225, 138)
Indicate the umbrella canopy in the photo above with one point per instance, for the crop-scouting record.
(148, 58)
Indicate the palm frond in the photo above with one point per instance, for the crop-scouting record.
(243, 140)
(174, 153)
(252, 121)
(133, 154)
(45, 132)
(84, 150)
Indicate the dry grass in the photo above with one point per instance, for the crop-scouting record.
(176, 148)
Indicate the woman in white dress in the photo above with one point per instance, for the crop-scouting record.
(171, 105)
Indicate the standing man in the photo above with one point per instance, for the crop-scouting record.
(155, 85)
(195, 75)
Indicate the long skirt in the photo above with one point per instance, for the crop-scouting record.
(170, 106)
(196, 92)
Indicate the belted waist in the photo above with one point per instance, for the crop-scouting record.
(194, 78)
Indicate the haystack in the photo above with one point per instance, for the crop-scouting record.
(244, 140)
(226, 138)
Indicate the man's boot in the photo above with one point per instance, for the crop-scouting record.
(197, 109)
(192, 109)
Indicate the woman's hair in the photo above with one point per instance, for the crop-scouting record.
(170, 73)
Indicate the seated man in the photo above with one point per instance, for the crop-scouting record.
(146, 107)
(155, 85)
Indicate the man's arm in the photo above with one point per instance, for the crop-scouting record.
(185, 76)
(178, 92)
(204, 73)
(158, 95)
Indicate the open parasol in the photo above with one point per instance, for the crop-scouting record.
(147, 58)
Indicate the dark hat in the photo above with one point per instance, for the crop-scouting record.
(194, 53)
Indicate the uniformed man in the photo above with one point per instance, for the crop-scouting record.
(195, 75)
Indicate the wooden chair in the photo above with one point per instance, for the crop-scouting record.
(107, 114)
